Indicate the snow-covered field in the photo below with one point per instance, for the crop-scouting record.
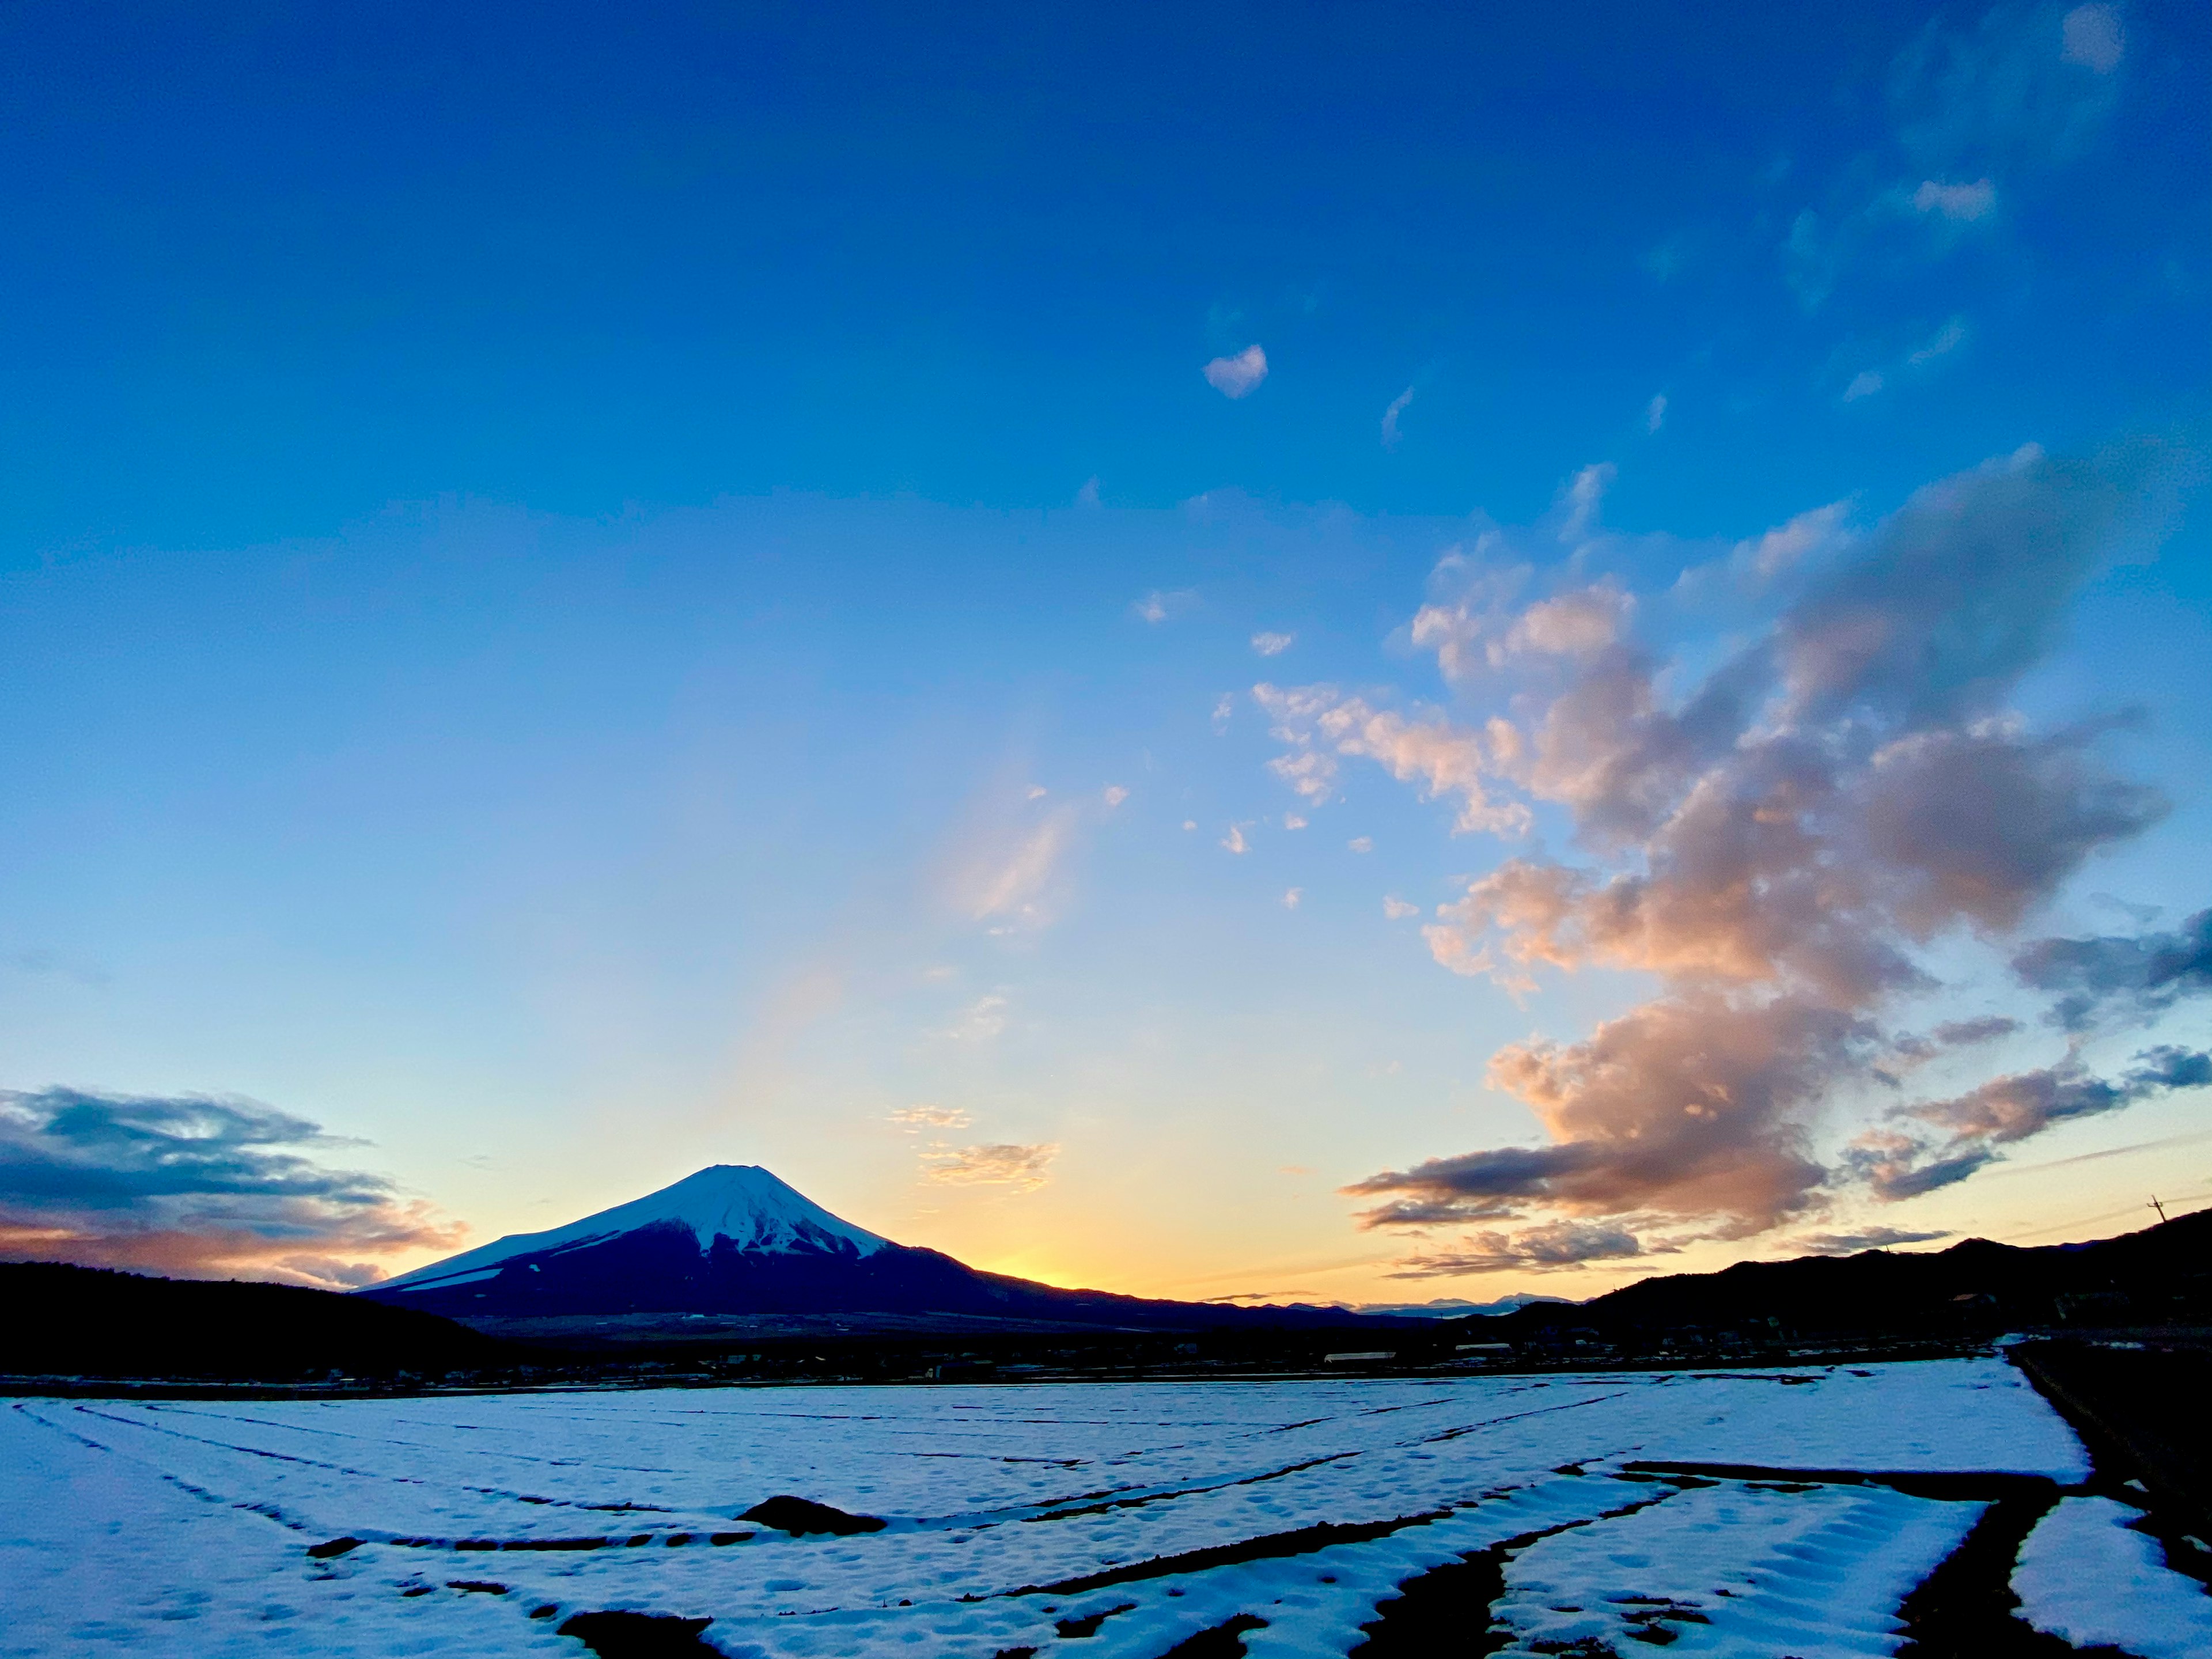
(1015, 1514)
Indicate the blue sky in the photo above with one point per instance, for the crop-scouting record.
(586, 597)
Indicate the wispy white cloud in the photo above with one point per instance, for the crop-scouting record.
(914, 1118)
(1864, 384)
(1361, 843)
(1240, 375)
(2092, 36)
(1581, 498)
(1788, 546)
(980, 1020)
(1946, 339)
(1006, 881)
(1088, 495)
(1398, 910)
(1319, 723)
(1654, 412)
(1234, 841)
(1162, 604)
(1965, 202)
(1292, 896)
(1273, 645)
(1293, 821)
(1222, 710)
(998, 1164)
(1398, 405)
(1114, 796)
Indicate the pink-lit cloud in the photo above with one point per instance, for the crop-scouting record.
(1776, 839)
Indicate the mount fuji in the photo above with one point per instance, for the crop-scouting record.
(733, 1240)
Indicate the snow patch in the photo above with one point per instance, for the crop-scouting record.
(2085, 1575)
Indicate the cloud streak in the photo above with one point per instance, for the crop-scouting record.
(1023, 1167)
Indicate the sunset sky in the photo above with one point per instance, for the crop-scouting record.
(1355, 653)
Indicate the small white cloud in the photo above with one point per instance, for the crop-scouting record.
(1222, 710)
(980, 1021)
(1115, 795)
(914, 1118)
(1946, 339)
(1390, 432)
(2091, 36)
(1190, 824)
(1239, 376)
(1158, 605)
(1655, 413)
(1398, 910)
(1292, 896)
(1273, 645)
(1000, 1165)
(1088, 495)
(1959, 202)
(1293, 821)
(1864, 384)
(1235, 841)
(1582, 496)
(1361, 843)
(1038, 792)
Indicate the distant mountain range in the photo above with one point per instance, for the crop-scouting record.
(642, 1274)
(734, 1245)
(1455, 1307)
(2161, 1275)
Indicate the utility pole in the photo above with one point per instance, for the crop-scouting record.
(2159, 1207)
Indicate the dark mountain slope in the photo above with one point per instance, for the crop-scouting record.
(732, 1240)
(58, 1320)
(660, 1268)
(2162, 1273)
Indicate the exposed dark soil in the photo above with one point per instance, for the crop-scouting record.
(641, 1636)
(2141, 1413)
(1271, 1545)
(799, 1516)
(1444, 1613)
(1223, 1641)
(1076, 1629)
(1965, 1608)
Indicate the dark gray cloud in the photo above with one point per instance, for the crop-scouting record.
(1534, 1249)
(1969, 1128)
(1960, 593)
(2120, 978)
(1872, 1238)
(1964, 1033)
(190, 1183)
(1690, 1106)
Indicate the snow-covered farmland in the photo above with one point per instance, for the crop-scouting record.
(1130, 1517)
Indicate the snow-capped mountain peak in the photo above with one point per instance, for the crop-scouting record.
(741, 1202)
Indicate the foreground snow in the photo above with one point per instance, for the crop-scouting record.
(183, 1528)
(2085, 1577)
